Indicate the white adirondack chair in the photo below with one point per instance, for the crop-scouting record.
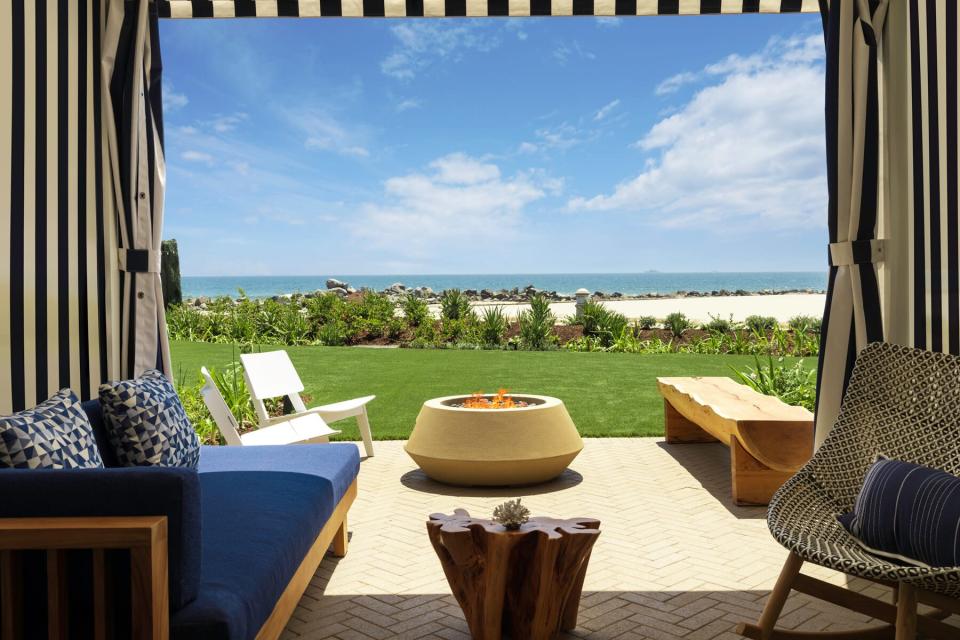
(272, 375)
(294, 429)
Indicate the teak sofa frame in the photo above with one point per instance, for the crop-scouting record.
(145, 537)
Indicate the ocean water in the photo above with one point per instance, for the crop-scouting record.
(564, 283)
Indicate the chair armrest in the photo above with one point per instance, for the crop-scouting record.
(130, 491)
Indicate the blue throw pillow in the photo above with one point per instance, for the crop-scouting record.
(908, 513)
(147, 425)
(55, 434)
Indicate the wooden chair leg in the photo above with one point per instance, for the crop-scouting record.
(363, 422)
(906, 612)
(340, 540)
(778, 597)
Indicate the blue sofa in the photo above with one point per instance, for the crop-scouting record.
(243, 530)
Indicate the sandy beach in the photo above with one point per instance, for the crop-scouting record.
(782, 307)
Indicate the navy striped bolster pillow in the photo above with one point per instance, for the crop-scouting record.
(908, 513)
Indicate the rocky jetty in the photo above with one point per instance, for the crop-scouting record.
(398, 290)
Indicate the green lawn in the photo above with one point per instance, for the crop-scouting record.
(607, 394)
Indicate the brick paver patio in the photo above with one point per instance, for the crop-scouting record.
(676, 558)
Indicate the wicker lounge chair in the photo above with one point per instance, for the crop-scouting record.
(904, 404)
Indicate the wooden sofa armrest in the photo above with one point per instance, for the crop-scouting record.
(144, 536)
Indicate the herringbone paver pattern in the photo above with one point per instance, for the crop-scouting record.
(676, 558)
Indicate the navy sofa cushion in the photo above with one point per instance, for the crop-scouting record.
(908, 513)
(175, 493)
(263, 508)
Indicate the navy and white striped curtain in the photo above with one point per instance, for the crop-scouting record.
(57, 244)
(922, 117)
(853, 314)
(80, 141)
(132, 68)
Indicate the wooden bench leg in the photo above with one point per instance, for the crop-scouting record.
(679, 430)
(753, 482)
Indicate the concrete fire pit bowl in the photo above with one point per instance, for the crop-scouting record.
(494, 447)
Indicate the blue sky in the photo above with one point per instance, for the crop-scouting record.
(495, 146)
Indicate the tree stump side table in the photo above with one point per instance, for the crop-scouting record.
(525, 583)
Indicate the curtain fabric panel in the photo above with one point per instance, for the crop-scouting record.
(56, 227)
(921, 66)
(471, 8)
(853, 314)
(131, 69)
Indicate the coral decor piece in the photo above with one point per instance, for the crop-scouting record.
(511, 514)
(524, 583)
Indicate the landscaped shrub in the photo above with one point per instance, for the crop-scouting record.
(599, 322)
(677, 323)
(415, 310)
(324, 309)
(196, 410)
(646, 322)
(794, 384)
(330, 320)
(584, 343)
(805, 324)
(718, 324)
(460, 330)
(454, 305)
(493, 326)
(760, 324)
(536, 325)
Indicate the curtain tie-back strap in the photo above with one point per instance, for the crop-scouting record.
(139, 261)
(856, 252)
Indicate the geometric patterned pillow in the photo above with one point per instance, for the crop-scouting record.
(55, 434)
(146, 424)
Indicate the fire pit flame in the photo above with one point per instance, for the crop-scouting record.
(499, 401)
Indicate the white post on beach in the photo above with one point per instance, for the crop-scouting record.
(582, 295)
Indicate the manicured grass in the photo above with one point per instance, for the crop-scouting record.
(607, 394)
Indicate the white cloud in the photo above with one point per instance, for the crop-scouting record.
(675, 82)
(560, 137)
(421, 43)
(749, 146)
(795, 50)
(606, 109)
(517, 27)
(459, 168)
(608, 21)
(324, 132)
(172, 100)
(459, 196)
(227, 123)
(408, 104)
(565, 51)
(192, 155)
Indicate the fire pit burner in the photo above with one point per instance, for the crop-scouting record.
(499, 400)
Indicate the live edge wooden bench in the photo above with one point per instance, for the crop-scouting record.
(769, 440)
